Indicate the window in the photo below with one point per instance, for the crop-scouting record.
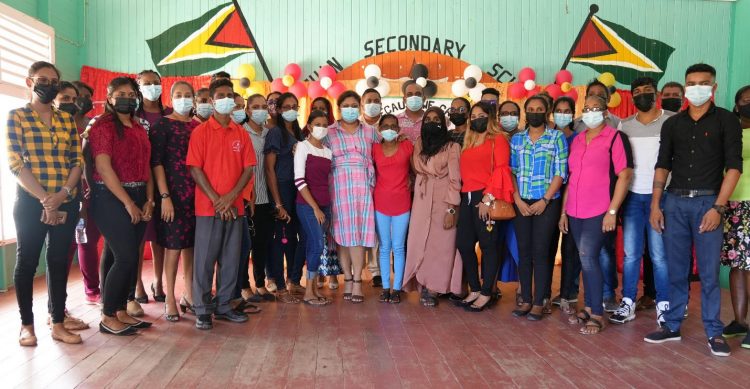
(23, 41)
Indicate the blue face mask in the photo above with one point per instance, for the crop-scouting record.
(562, 120)
(389, 135)
(290, 115)
(151, 92)
(182, 105)
(239, 116)
(259, 116)
(698, 95)
(204, 110)
(373, 109)
(224, 106)
(509, 122)
(349, 114)
(593, 119)
(414, 103)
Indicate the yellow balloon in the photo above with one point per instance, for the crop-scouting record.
(287, 80)
(255, 88)
(566, 87)
(607, 79)
(614, 100)
(246, 71)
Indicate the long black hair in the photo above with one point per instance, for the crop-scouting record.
(113, 85)
(280, 122)
(329, 108)
(434, 143)
(570, 101)
(140, 95)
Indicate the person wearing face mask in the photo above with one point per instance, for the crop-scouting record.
(312, 168)
(353, 178)
(509, 113)
(490, 96)
(735, 250)
(410, 120)
(203, 107)
(221, 160)
(392, 199)
(539, 161)
(45, 157)
(272, 99)
(597, 88)
(84, 103)
(371, 114)
(702, 149)
(432, 266)
(601, 168)
(288, 239)
(121, 200)
(672, 96)
(458, 114)
(175, 227)
(322, 104)
(239, 116)
(486, 176)
(644, 130)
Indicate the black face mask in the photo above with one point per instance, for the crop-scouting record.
(430, 129)
(744, 110)
(70, 108)
(672, 104)
(85, 104)
(457, 119)
(479, 125)
(125, 105)
(46, 93)
(644, 101)
(536, 119)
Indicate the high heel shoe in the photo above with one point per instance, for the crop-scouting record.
(463, 303)
(171, 318)
(185, 306)
(476, 308)
(160, 298)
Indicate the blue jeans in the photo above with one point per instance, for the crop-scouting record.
(636, 229)
(293, 249)
(607, 259)
(314, 235)
(392, 237)
(682, 217)
(589, 239)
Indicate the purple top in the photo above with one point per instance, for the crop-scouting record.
(312, 168)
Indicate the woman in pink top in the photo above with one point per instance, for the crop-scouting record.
(392, 204)
(601, 167)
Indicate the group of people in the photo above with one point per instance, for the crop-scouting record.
(218, 181)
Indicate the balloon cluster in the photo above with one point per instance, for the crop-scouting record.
(246, 75)
(419, 74)
(289, 82)
(373, 79)
(469, 84)
(327, 84)
(563, 86)
(608, 79)
(526, 85)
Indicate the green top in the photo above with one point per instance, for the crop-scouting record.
(742, 191)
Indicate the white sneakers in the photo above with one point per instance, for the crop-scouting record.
(661, 308)
(624, 313)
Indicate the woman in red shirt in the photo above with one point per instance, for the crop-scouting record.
(121, 199)
(392, 204)
(483, 182)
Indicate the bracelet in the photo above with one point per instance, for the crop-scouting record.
(67, 190)
(279, 206)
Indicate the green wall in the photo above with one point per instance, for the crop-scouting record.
(739, 53)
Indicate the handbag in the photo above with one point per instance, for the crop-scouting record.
(499, 209)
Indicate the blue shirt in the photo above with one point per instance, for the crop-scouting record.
(535, 164)
(276, 144)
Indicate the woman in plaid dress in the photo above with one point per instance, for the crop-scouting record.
(353, 178)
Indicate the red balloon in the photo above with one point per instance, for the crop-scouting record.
(314, 90)
(534, 91)
(278, 86)
(526, 74)
(563, 76)
(573, 94)
(293, 70)
(517, 91)
(298, 89)
(327, 71)
(554, 90)
(336, 89)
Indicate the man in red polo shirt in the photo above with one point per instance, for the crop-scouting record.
(221, 160)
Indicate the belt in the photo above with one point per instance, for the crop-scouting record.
(137, 184)
(691, 192)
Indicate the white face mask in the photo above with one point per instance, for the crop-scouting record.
(373, 109)
(698, 95)
(224, 106)
(151, 92)
(182, 105)
(593, 119)
(319, 132)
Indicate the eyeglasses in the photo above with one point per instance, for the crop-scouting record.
(593, 109)
(45, 81)
(456, 110)
(288, 107)
(490, 102)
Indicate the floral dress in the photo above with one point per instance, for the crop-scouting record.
(735, 251)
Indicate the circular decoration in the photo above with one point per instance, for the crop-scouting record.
(475, 93)
(372, 70)
(298, 89)
(526, 74)
(473, 71)
(607, 78)
(326, 82)
(278, 86)
(470, 82)
(336, 89)
(459, 88)
(418, 70)
(430, 89)
(315, 90)
(614, 100)
(287, 80)
(372, 81)
(293, 70)
(529, 85)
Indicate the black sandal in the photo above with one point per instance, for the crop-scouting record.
(465, 303)
(348, 296)
(581, 318)
(428, 300)
(592, 323)
(395, 297)
(385, 296)
(357, 298)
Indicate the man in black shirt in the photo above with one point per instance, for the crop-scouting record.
(702, 148)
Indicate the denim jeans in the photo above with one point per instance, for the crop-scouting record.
(607, 258)
(636, 229)
(682, 218)
(314, 235)
(392, 237)
(589, 239)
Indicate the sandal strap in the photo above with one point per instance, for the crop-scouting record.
(594, 323)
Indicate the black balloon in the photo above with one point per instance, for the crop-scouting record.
(612, 90)
(418, 70)
(430, 89)
(372, 81)
(470, 82)
(244, 82)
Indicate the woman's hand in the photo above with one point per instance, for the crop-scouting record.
(167, 210)
(449, 221)
(538, 207)
(484, 212)
(523, 207)
(147, 211)
(563, 223)
(609, 222)
(133, 211)
(320, 216)
(53, 202)
(281, 214)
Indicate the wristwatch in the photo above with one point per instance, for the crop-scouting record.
(546, 200)
(721, 209)
(165, 195)
(612, 212)
(452, 211)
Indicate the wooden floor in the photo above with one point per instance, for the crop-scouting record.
(367, 345)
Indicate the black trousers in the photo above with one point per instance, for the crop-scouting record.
(31, 234)
(262, 235)
(120, 269)
(471, 230)
(571, 268)
(534, 234)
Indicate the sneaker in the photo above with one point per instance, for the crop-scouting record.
(719, 346)
(625, 313)
(661, 309)
(735, 329)
(746, 342)
(232, 315)
(556, 300)
(644, 303)
(610, 304)
(204, 322)
(271, 285)
(377, 282)
(663, 335)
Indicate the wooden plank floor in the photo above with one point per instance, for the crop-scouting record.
(367, 345)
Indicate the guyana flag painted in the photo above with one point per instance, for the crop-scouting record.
(610, 47)
(204, 44)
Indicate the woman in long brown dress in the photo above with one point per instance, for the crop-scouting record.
(432, 264)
